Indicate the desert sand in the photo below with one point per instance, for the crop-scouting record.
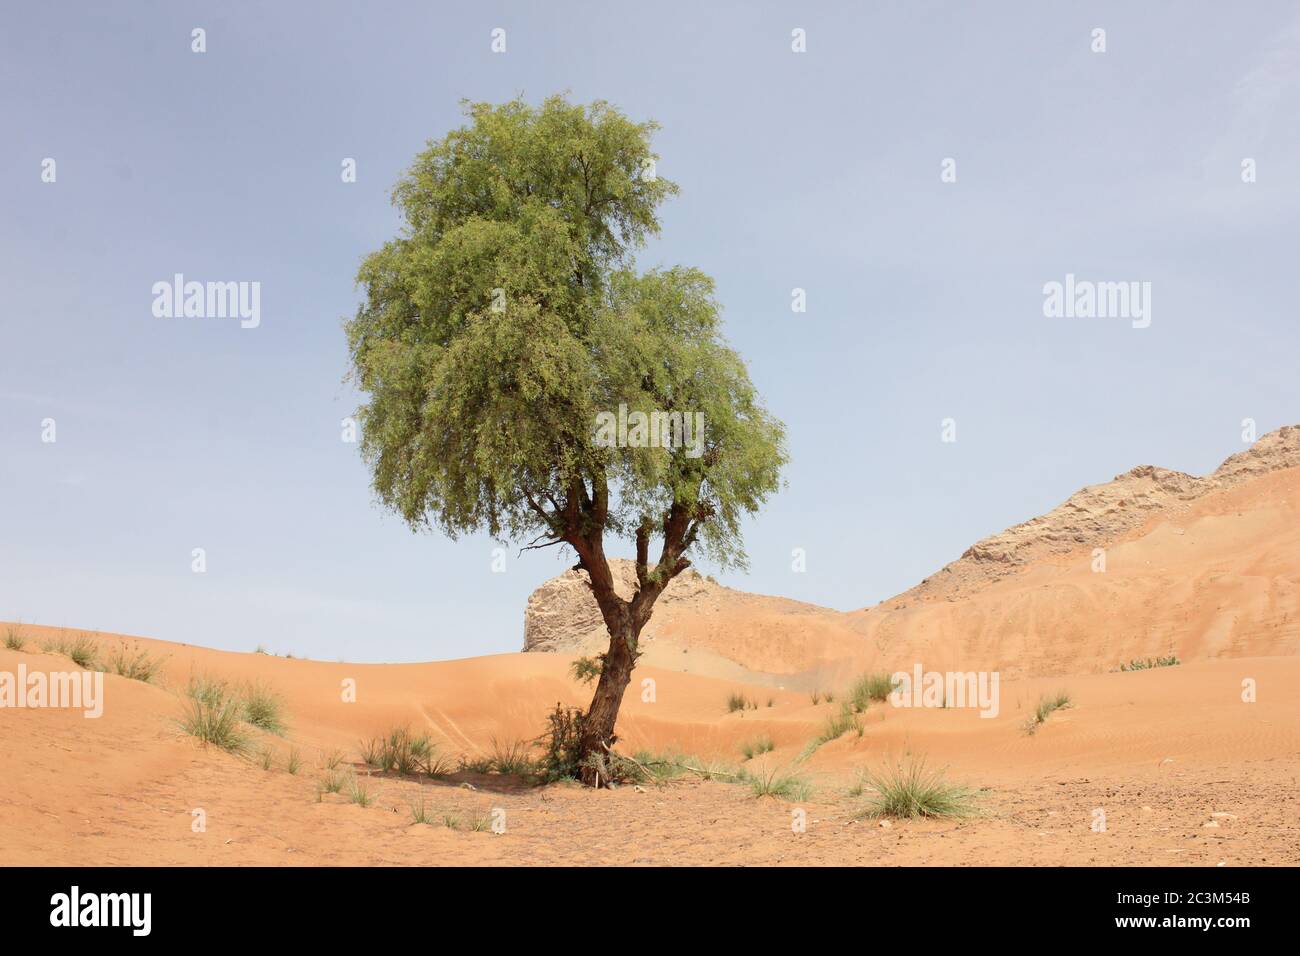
(1185, 767)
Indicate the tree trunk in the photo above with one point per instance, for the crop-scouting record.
(598, 727)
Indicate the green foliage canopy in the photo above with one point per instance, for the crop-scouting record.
(508, 314)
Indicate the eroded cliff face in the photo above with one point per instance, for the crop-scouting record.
(1098, 515)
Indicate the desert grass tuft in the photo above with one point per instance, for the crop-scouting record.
(216, 722)
(839, 724)
(207, 689)
(909, 790)
(263, 708)
(138, 665)
(83, 650)
(294, 761)
(14, 640)
(511, 759)
(738, 701)
(760, 745)
(420, 812)
(404, 752)
(266, 757)
(332, 759)
(869, 687)
(332, 782)
(409, 753)
(356, 791)
(479, 765)
(770, 782)
(1047, 705)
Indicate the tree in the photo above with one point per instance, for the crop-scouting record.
(504, 335)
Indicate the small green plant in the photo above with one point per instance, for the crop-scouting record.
(816, 697)
(332, 759)
(263, 708)
(451, 821)
(356, 792)
(83, 651)
(1139, 664)
(870, 687)
(908, 790)
(259, 649)
(216, 722)
(420, 812)
(511, 758)
(770, 782)
(409, 752)
(839, 723)
(294, 762)
(14, 640)
(760, 745)
(738, 701)
(561, 745)
(1047, 705)
(836, 726)
(405, 752)
(587, 669)
(859, 785)
(480, 765)
(207, 690)
(332, 782)
(267, 758)
(481, 824)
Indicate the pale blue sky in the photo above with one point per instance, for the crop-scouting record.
(817, 170)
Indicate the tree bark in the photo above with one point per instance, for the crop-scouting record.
(623, 619)
(598, 726)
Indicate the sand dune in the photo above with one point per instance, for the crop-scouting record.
(122, 789)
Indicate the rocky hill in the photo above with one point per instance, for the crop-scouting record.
(1195, 566)
(562, 614)
(1098, 515)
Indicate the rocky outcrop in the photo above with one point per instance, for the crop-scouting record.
(1098, 515)
(1274, 451)
(562, 614)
